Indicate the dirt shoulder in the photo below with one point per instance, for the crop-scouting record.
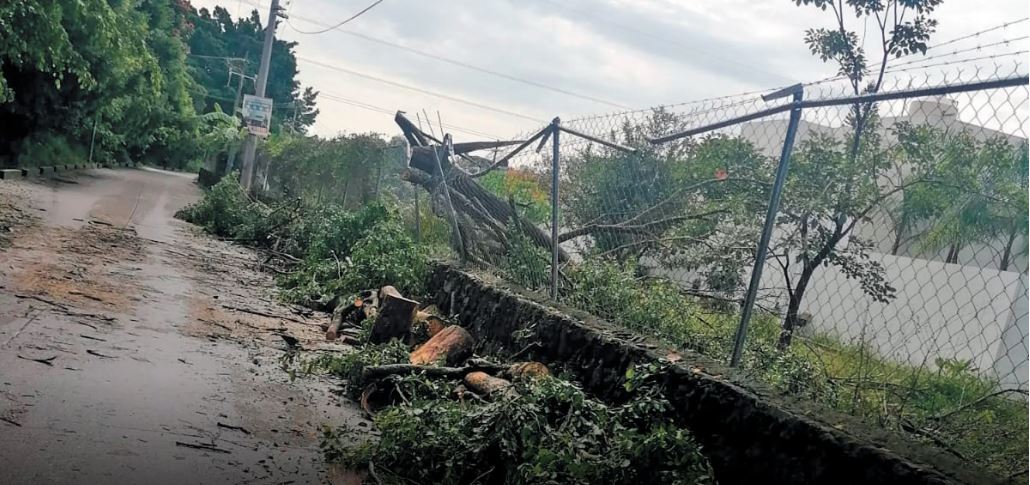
(126, 329)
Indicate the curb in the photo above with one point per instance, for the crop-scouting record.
(50, 171)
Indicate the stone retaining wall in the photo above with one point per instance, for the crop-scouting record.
(50, 171)
(750, 434)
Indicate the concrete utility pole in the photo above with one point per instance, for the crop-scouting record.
(250, 144)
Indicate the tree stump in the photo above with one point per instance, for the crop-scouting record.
(396, 314)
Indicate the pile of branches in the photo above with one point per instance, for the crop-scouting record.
(444, 415)
(438, 349)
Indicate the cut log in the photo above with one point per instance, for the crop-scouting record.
(485, 384)
(342, 311)
(396, 314)
(528, 370)
(451, 346)
(425, 327)
(356, 309)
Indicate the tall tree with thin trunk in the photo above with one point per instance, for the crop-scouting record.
(833, 183)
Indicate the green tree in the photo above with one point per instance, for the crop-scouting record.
(219, 43)
(70, 68)
(692, 204)
(979, 196)
(823, 206)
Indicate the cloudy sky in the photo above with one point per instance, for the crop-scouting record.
(593, 56)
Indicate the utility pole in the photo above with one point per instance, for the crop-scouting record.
(250, 144)
(237, 107)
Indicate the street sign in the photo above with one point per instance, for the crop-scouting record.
(257, 114)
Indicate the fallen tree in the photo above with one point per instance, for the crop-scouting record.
(479, 219)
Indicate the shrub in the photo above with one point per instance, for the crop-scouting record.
(525, 264)
(546, 431)
(340, 251)
(223, 210)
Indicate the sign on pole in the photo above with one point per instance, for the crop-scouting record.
(257, 114)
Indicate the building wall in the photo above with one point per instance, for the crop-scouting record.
(941, 311)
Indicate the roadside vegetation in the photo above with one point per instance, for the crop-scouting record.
(337, 217)
(325, 252)
(121, 81)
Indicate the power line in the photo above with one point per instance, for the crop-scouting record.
(379, 109)
(462, 64)
(669, 41)
(420, 90)
(336, 26)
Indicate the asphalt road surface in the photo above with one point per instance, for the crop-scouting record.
(134, 349)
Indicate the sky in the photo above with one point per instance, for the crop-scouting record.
(593, 56)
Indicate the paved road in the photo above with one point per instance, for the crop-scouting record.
(127, 352)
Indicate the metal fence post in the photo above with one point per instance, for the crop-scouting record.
(740, 338)
(555, 162)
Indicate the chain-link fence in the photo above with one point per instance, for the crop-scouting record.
(865, 249)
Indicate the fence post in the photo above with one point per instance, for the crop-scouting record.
(456, 233)
(555, 163)
(740, 338)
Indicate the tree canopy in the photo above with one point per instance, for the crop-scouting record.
(128, 75)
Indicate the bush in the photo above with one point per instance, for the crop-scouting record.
(49, 150)
(339, 251)
(525, 264)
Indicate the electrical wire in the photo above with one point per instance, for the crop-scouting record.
(379, 109)
(455, 62)
(717, 57)
(336, 26)
(420, 90)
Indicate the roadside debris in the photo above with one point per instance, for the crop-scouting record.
(48, 360)
(202, 446)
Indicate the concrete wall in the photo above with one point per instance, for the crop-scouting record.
(968, 311)
(946, 311)
(749, 434)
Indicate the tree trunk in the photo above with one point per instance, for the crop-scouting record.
(365, 305)
(1006, 256)
(451, 346)
(396, 314)
(952, 256)
(425, 326)
(897, 241)
(793, 305)
(485, 384)
(528, 370)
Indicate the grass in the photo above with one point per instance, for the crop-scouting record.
(944, 403)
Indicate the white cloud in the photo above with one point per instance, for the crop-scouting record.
(634, 52)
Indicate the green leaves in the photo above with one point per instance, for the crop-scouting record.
(70, 65)
(905, 28)
(547, 431)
